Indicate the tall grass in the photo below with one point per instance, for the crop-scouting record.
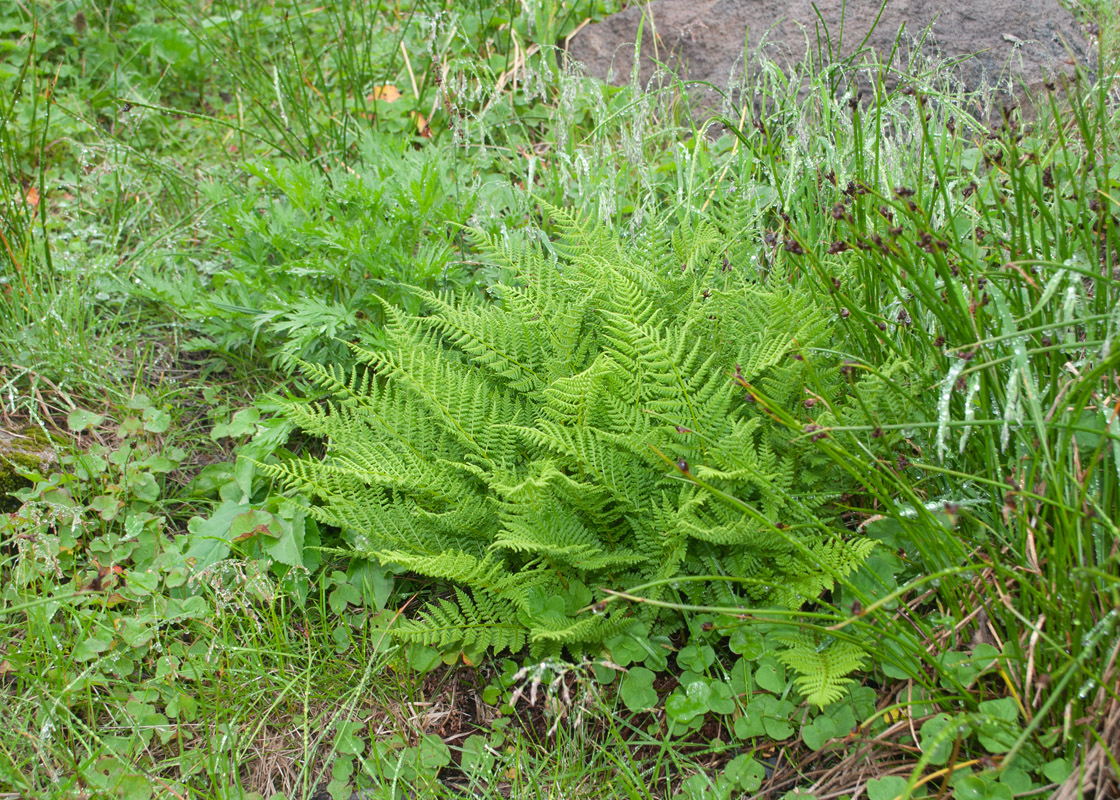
(976, 273)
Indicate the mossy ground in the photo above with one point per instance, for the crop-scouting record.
(28, 449)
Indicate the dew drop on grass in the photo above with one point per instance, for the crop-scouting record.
(969, 408)
(943, 407)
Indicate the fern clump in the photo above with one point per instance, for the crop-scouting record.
(588, 428)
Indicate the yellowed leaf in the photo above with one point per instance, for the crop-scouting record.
(389, 93)
(422, 125)
(32, 197)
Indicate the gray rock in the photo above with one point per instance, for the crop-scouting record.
(1013, 44)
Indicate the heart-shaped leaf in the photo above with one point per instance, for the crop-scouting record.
(637, 690)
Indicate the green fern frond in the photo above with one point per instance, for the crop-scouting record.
(516, 448)
(471, 622)
(822, 666)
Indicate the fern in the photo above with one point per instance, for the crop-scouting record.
(822, 665)
(517, 449)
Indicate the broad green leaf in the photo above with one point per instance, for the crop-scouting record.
(373, 580)
(1058, 770)
(981, 787)
(818, 732)
(210, 538)
(348, 739)
(745, 772)
(747, 642)
(106, 506)
(343, 595)
(155, 421)
(683, 706)
(79, 419)
(998, 733)
(433, 754)
(476, 758)
(637, 690)
(696, 657)
(887, 788)
(935, 744)
(91, 647)
(721, 700)
(253, 523)
(770, 674)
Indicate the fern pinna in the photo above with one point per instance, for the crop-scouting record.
(585, 428)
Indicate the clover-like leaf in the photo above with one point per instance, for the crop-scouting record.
(154, 420)
(91, 647)
(981, 787)
(936, 745)
(683, 706)
(476, 757)
(818, 732)
(770, 674)
(886, 788)
(637, 690)
(774, 715)
(433, 753)
(747, 642)
(696, 657)
(1057, 770)
(79, 419)
(745, 772)
(106, 506)
(347, 739)
(721, 701)
(997, 734)
(343, 595)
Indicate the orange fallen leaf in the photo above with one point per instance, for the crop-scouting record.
(389, 93)
(32, 197)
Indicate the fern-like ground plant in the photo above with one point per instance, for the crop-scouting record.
(587, 428)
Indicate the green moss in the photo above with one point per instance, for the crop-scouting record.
(31, 450)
